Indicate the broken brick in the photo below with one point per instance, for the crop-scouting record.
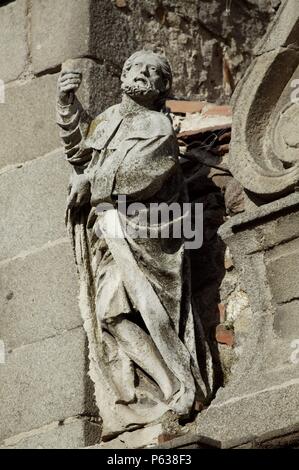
(184, 107)
(202, 130)
(213, 110)
(224, 335)
(165, 437)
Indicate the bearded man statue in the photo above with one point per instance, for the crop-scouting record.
(135, 291)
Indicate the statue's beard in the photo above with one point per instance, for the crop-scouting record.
(140, 87)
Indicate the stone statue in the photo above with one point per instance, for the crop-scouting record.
(135, 292)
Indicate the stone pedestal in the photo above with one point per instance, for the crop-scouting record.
(263, 392)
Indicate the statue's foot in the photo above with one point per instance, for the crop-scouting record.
(182, 404)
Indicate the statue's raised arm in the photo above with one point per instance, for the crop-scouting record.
(73, 132)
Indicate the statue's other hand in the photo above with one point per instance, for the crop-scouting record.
(68, 84)
(79, 192)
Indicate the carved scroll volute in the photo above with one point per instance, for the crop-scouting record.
(264, 155)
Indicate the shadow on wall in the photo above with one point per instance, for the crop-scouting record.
(207, 272)
(204, 132)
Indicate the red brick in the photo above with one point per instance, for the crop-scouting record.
(166, 437)
(224, 335)
(213, 110)
(183, 107)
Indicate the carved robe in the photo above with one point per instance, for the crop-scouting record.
(143, 280)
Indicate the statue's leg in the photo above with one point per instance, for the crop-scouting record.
(121, 369)
(128, 373)
(139, 346)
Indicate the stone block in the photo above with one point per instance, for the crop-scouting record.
(278, 230)
(39, 296)
(71, 434)
(286, 320)
(27, 117)
(282, 268)
(251, 415)
(113, 33)
(60, 31)
(13, 46)
(44, 382)
(33, 205)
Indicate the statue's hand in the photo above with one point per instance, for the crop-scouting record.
(68, 84)
(79, 191)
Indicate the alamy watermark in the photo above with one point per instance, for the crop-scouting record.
(154, 220)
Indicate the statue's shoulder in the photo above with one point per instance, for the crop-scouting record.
(101, 121)
(152, 124)
(147, 125)
(164, 123)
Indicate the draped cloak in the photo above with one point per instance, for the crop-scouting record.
(135, 155)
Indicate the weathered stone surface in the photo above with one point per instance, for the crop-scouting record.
(71, 434)
(13, 47)
(96, 92)
(264, 280)
(212, 50)
(44, 382)
(282, 33)
(37, 204)
(28, 121)
(282, 228)
(38, 296)
(262, 391)
(147, 436)
(286, 320)
(282, 267)
(264, 148)
(60, 31)
(251, 415)
(30, 106)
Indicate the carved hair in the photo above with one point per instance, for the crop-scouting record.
(164, 67)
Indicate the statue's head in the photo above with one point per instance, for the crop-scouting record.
(147, 78)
